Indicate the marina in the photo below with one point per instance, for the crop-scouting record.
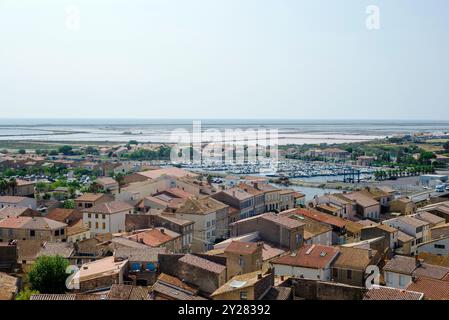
(314, 170)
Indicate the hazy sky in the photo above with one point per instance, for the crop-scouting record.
(224, 58)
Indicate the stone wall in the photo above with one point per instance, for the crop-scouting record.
(321, 290)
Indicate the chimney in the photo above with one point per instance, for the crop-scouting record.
(259, 276)
(233, 194)
(370, 253)
(162, 230)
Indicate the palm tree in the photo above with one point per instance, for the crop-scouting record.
(12, 186)
(120, 178)
(3, 186)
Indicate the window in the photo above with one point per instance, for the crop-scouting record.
(208, 224)
(56, 233)
(241, 262)
(62, 232)
(243, 295)
(32, 233)
(96, 225)
(96, 216)
(89, 215)
(401, 280)
(349, 274)
(103, 216)
(104, 226)
(90, 225)
(335, 273)
(298, 238)
(439, 246)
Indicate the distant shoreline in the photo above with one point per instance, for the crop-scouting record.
(32, 122)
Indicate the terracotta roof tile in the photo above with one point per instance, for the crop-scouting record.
(202, 263)
(110, 207)
(409, 266)
(310, 256)
(282, 220)
(354, 258)
(387, 293)
(155, 237)
(433, 289)
(90, 197)
(243, 248)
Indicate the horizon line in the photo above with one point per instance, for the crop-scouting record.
(221, 118)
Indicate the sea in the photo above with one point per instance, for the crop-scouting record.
(290, 131)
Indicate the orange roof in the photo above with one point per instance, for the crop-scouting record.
(322, 217)
(250, 189)
(310, 256)
(154, 237)
(90, 197)
(173, 281)
(110, 207)
(297, 194)
(179, 193)
(433, 289)
(59, 214)
(36, 223)
(12, 199)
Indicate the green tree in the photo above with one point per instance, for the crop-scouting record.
(41, 186)
(69, 204)
(425, 157)
(12, 186)
(26, 294)
(48, 274)
(446, 146)
(4, 186)
(22, 151)
(91, 150)
(66, 150)
(120, 178)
